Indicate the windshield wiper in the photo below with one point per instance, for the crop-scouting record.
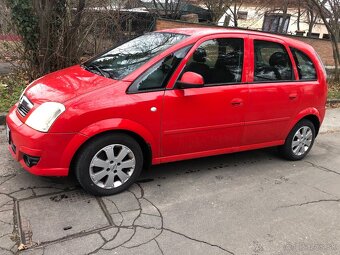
(97, 68)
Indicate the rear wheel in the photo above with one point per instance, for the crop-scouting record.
(299, 141)
(109, 164)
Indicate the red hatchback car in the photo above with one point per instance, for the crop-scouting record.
(166, 96)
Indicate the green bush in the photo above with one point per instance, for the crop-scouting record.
(11, 87)
(333, 90)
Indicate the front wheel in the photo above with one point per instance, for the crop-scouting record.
(299, 141)
(109, 164)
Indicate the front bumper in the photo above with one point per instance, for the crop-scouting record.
(54, 150)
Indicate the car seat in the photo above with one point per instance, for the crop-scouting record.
(198, 65)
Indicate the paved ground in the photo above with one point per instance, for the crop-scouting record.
(5, 67)
(244, 203)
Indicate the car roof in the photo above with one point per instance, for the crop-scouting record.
(199, 32)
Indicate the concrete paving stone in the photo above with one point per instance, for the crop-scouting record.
(24, 180)
(77, 246)
(21, 194)
(5, 229)
(142, 236)
(5, 200)
(172, 243)
(123, 236)
(5, 252)
(117, 219)
(45, 191)
(56, 216)
(136, 190)
(148, 208)
(125, 201)
(6, 242)
(110, 206)
(33, 251)
(6, 217)
(110, 233)
(145, 249)
(129, 217)
(125, 218)
(149, 221)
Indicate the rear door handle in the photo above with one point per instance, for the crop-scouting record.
(236, 102)
(292, 96)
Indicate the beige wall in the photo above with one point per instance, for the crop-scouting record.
(256, 15)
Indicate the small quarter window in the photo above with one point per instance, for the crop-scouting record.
(272, 62)
(157, 76)
(304, 65)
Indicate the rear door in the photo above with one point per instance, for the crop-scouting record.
(274, 95)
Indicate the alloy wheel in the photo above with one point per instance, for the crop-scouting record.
(302, 140)
(112, 166)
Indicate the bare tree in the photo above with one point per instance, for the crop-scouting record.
(216, 8)
(234, 8)
(329, 11)
(57, 34)
(164, 8)
(312, 15)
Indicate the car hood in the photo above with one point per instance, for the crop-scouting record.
(65, 84)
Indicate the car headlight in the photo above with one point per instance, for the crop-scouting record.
(44, 115)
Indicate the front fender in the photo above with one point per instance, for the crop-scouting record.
(108, 125)
(121, 124)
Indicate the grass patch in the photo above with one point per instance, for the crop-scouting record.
(11, 87)
(333, 90)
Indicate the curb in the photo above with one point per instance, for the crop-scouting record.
(3, 115)
(2, 118)
(333, 101)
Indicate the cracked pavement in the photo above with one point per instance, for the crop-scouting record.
(245, 203)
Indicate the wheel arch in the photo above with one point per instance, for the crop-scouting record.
(146, 148)
(132, 129)
(315, 120)
(311, 114)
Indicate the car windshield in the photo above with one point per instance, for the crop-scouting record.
(124, 59)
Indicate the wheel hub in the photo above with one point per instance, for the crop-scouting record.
(302, 140)
(112, 166)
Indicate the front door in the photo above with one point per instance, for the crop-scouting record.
(207, 120)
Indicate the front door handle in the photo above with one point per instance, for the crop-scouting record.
(293, 96)
(236, 102)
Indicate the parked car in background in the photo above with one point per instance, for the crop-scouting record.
(166, 96)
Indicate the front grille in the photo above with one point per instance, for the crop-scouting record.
(23, 110)
(24, 106)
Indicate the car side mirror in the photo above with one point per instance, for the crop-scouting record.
(190, 80)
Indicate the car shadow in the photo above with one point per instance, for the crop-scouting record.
(232, 161)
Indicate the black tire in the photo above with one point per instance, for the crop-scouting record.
(85, 156)
(286, 150)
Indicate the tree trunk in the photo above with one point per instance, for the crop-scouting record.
(284, 17)
(70, 40)
(298, 17)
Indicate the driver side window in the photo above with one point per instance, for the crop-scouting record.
(157, 76)
(219, 61)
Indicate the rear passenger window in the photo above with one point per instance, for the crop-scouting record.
(272, 62)
(304, 65)
(219, 61)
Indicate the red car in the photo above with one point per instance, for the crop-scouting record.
(166, 96)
